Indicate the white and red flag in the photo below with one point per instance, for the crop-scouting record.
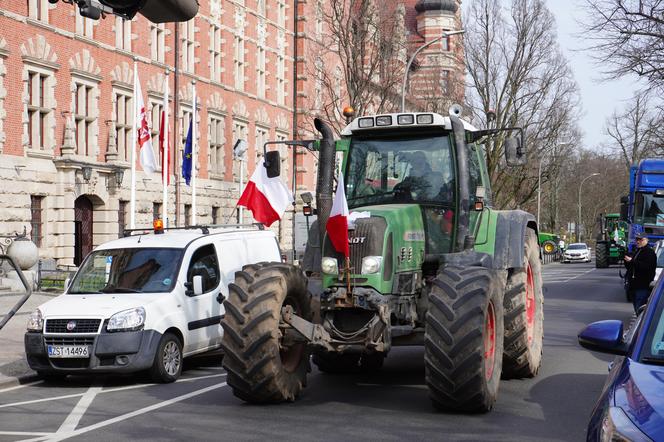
(337, 223)
(267, 198)
(147, 159)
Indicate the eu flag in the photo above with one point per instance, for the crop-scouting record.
(186, 160)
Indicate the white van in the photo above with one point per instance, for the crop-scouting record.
(144, 302)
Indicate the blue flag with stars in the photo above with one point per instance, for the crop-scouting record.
(186, 157)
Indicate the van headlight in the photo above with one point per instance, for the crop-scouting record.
(36, 321)
(329, 265)
(127, 320)
(371, 264)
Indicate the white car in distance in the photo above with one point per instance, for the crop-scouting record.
(577, 252)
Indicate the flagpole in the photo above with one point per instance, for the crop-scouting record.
(132, 198)
(193, 155)
(165, 154)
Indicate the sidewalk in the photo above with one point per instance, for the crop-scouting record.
(13, 365)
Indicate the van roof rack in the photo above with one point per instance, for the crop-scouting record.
(204, 228)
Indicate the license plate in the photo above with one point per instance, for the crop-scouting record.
(68, 351)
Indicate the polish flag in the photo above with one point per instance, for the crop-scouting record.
(147, 159)
(267, 198)
(337, 224)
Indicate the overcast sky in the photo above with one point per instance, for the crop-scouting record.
(599, 97)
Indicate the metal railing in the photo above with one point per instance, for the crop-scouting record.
(548, 258)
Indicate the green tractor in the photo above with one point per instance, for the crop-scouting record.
(549, 242)
(431, 263)
(611, 240)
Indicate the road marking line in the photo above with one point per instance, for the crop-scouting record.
(129, 387)
(21, 386)
(580, 275)
(79, 410)
(23, 433)
(59, 437)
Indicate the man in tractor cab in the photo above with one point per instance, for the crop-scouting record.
(423, 184)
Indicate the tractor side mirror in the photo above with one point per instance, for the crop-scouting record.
(515, 154)
(624, 201)
(272, 163)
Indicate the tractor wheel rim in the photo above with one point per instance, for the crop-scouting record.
(548, 248)
(489, 341)
(530, 304)
(291, 356)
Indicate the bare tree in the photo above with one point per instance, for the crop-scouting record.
(636, 131)
(518, 71)
(627, 36)
(360, 60)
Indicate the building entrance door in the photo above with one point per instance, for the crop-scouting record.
(82, 229)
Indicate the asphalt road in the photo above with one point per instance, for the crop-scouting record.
(391, 405)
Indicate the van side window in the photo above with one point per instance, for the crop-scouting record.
(204, 263)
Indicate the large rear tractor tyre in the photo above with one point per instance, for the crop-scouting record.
(348, 363)
(602, 255)
(262, 366)
(524, 316)
(549, 247)
(463, 339)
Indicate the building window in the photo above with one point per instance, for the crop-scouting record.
(238, 60)
(36, 222)
(281, 79)
(84, 118)
(38, 113)
(158, 42)
(123, 117)
(188, 39)
(38, 10)
(318, 85)
(215, 215)
(319, 20)
(260, 72)
(122, 224)
(156, 106)
(216, 150)
(123, 34)
(184, 128)
(84, 26)
(215, 52)
(262, 135)
(156, 211)
(260, 7)
(187, 215)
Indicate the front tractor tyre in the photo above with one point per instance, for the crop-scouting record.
(524, 315)
(263, 365)
(602, 252)
(463, 340)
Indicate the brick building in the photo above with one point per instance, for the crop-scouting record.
(66, 100)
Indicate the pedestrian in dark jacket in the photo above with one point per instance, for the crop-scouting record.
(641, 270)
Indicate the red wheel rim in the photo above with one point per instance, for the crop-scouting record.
(530, 303)
(489, 341)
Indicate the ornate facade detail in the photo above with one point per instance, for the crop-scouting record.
(83, 63)
(240, 111)
(37, 49)
(156, 83)
(281, 123)
(216, 104)
(215, 10)
(186, 94)
(261, 117)
(123, 73)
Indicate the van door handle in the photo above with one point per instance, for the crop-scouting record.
(220, 298)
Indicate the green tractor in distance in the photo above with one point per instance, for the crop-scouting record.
(431, 263)
(611, 240)
(549, 242)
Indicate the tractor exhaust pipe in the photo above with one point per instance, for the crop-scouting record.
(325, 176)
(463, 240)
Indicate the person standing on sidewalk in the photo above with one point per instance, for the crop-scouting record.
(640, 271)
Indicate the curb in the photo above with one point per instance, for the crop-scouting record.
(18, 380)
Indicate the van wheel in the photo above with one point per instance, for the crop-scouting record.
(167, 365)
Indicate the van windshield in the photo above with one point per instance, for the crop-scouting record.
(145, 270)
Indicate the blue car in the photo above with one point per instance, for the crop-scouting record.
(631, 406)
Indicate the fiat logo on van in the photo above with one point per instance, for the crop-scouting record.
(71, 325)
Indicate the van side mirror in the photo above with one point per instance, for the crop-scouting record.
(198, 285)
(515, 153)
(272, 163)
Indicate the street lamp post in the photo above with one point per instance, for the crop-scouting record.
(445, 34)
(578, 224)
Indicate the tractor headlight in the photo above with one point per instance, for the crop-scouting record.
(127, 320)
(329, 265)
(36, 321)
(371, 264)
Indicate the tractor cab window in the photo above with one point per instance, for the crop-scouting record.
(400, 170)
(649, 209)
